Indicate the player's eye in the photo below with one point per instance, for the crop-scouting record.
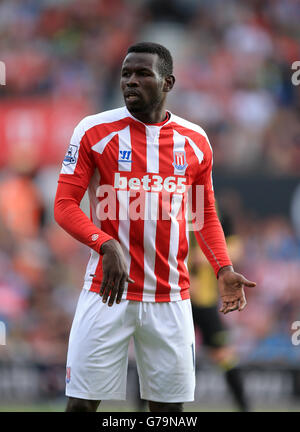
(145, 73)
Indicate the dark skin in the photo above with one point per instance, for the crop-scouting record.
(231, 288)
(145, 90)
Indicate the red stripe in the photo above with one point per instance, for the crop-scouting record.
(184, 279)
(162, 246)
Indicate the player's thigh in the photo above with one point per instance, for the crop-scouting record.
(98, 349)
(165, 353)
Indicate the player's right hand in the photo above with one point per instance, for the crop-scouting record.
(114, 272)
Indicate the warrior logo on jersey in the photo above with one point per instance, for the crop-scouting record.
(71, 155)
(125, 156)
(179, 160)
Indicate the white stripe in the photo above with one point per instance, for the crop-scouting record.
(150, 223)
(123, 230)
(125, 145)
(152, 139)
(91, 269)
(178, 145)
(100, 145)
(174, 243)
(196, 149)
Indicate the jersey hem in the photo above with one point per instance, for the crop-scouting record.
(183, 295)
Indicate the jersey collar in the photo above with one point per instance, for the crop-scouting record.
(161, 124)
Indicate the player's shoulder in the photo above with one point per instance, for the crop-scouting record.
(186, 124)
(103, 117)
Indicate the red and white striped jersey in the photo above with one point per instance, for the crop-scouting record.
(129, 167)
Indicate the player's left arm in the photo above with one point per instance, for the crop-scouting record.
(212, 241)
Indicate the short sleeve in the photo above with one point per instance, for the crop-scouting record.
(78, 165)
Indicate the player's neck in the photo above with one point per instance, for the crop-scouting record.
(155, 116)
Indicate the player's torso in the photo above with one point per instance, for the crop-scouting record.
(143, 175)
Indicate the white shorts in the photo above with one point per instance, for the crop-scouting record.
(164, 344)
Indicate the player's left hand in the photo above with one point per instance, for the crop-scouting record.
(231, 288)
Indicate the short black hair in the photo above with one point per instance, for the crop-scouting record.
(166, 60)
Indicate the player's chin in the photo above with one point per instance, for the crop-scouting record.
(135, 105)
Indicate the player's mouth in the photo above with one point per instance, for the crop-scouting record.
(132, 96)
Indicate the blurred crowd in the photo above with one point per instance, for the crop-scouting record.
(266, 251)
(233, 70)
(233, 65)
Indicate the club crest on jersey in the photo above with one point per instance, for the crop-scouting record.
(68, 374)
(71, 155)
(125, 156)
(179, 160)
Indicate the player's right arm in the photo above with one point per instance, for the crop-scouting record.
(77, 170)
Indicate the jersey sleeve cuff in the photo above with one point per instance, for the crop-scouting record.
(103, 238)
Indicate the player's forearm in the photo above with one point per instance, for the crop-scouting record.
(212, 241)
(72, 219)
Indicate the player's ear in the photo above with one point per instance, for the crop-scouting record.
(169, 83)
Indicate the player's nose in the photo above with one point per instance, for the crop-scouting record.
(132, 80)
